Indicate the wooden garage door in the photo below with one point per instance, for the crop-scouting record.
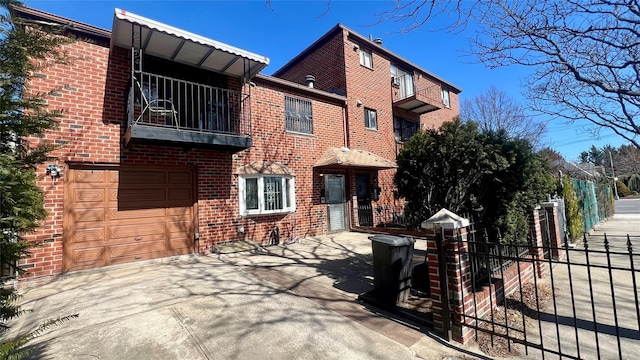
(120, 215)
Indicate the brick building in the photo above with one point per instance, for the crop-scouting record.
(171, 143)
(388, 100)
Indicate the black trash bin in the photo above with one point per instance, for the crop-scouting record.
(392, 256)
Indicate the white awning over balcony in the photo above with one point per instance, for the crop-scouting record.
(171, 43)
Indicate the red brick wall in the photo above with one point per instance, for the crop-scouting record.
(271, 142)
(92, 96)
(89, 131)
(325, 63)
(339, 59)
(434, 119)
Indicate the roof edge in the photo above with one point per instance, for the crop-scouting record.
(370, 43)
(391, 54)
(296, 86)
(26, 12)
(315, 44)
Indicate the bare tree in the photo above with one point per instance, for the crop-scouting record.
(627, 160)
(585, 54)
(494, 110)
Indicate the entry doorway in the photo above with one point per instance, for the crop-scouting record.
(336, 202)
(365, 209)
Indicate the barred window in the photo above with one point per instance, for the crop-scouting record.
(298, 115)
(260, 194)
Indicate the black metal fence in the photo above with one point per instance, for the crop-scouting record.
(582, 305)
(489, 256)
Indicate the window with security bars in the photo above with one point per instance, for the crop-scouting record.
(260, 194)
(298, 115)
(273, 193)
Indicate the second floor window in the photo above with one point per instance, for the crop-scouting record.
(445, 98)
(403, 80)
(404, 128)
(370, 119)
(366, 59)
(298, 115)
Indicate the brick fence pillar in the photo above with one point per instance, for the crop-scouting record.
(450, 275)
(556, 240)
(461, 291)
(435, 284)
(536, 247)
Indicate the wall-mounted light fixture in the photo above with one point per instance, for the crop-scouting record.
(54, 171)
(358, 103)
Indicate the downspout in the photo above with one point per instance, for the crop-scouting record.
(345, 129)
(344, 125)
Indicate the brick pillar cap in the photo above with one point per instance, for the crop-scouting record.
(445, 219)
(550, 204)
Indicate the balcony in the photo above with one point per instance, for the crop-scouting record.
(169, 111)
(418, 101)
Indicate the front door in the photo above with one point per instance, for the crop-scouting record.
(365, 210)
(336, 203)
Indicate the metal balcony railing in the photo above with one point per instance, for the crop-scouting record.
(167, 102)
(431, 94)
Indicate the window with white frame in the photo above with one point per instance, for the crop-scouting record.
(266, 194)
(403, 80)
(445, 98)
(370, 119)
(366, 58)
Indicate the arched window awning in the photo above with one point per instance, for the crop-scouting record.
(345, 157)
(264, 168)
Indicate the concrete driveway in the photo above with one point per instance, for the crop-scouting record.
(295, 302)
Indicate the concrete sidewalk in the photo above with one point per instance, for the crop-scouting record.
(295, 302)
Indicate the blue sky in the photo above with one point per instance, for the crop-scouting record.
(286, 28)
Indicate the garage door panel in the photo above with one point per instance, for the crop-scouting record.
(138, 238)
(136, 231)
(132, 178)
(186, 212)
(114, 176)
(180, 246)
(89, 176)
(86, 236)
(88, 195)
(88, 215)
(112, 193)
(89, 257)
(179, 226)
(178, 195)
(158, 194)
(140, 205)
(140, 248)
(180, 177)
(124, 214)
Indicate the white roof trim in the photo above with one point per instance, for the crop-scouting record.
(121, 36)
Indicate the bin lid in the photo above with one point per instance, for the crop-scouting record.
(392, 240)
